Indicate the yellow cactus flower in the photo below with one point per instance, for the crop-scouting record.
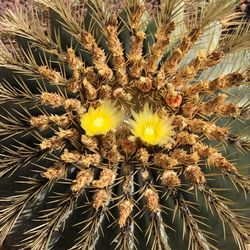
(150, 128)
(101, 120)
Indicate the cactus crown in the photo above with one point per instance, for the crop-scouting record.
(124, 126)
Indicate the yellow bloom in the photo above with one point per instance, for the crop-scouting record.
(101, 120)
(150, 128)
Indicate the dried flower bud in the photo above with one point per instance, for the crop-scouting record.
(51, 74)
(144, 174)
(74, 61)
(53, 99)
(106, 179)
(179, 122)
(90, 142)
(121, 94)
(54, 172)
(53, 143)
(184, 138)
(125, 209)
(73, 104)
(68, 133)
(164, 161)
(70, 157)
(174, 99)
(142, 155)
(60, 120)
(127, 186)
(90, 90)
(204, 150)
(170, 179)
(215, 133)
(100, 198)
(144, 84)
(183, 157)
(217, 160)
(152, 200)
(41, 121)
(128, 146)
(189, 109)
(83, 179)
(194, 174)
(89, 159)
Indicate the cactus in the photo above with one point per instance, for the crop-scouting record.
(245, 6)
(124, 125)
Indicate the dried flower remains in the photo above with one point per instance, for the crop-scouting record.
(125, 125)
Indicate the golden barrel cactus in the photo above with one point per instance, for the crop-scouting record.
(125, 125)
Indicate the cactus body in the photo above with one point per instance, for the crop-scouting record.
(125, 126)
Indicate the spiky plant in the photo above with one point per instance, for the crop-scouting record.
(245, 6)
(123, 127)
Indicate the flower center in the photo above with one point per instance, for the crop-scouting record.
(149, 131)
(98, 122)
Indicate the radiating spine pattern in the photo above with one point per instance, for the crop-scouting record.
(125, 125)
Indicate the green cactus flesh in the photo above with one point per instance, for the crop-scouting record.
(123, 127)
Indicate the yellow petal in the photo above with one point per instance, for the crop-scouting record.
(102, 119)
(150, 128)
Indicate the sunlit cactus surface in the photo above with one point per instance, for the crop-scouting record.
(125, 125)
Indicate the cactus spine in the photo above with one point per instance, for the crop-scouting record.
(125, 126)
